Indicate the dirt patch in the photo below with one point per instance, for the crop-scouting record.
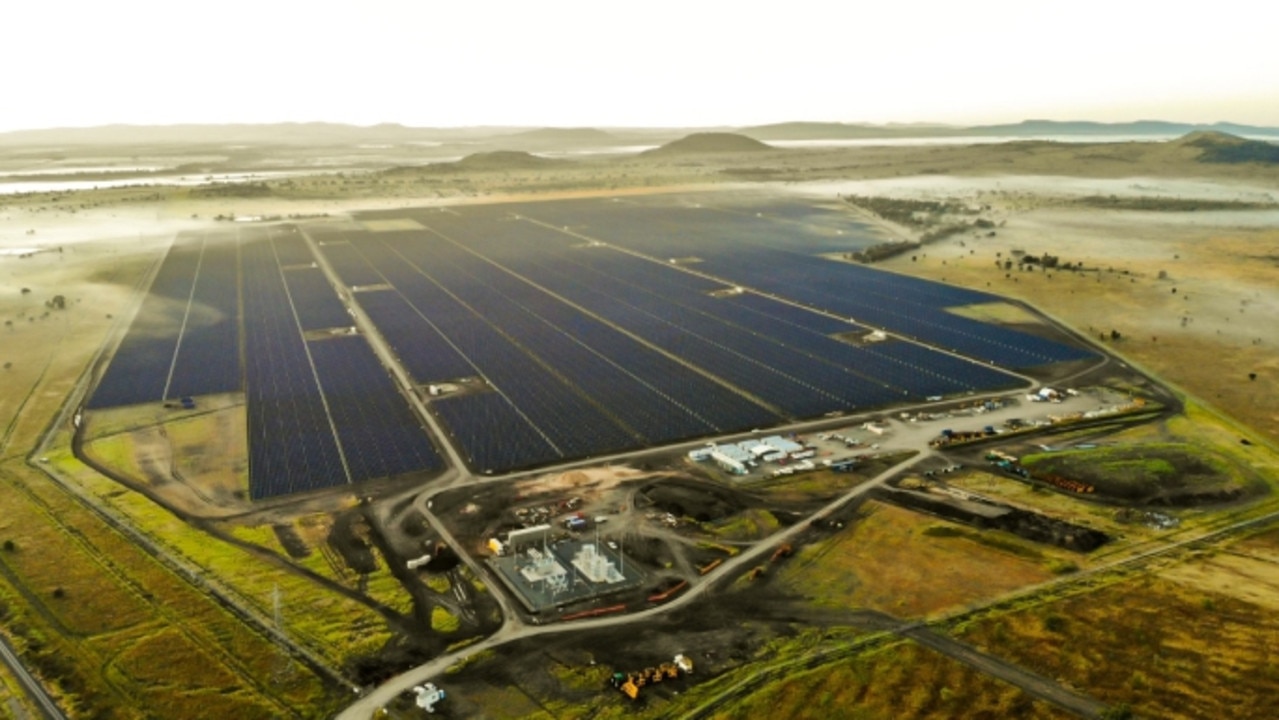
(702, 502)
(350, 538)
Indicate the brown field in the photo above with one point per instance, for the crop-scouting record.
(900, 681)
(1193, 641)
(95, 607)
(885, 561)
(1206, 337)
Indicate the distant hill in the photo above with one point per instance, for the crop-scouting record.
(843, 131)
(483, 161)
(1139, 127)
(1219, 147)
(566, 136)
(506, 160)
(1025, 128)
(322, 134)
(710, 142)
(304, 134)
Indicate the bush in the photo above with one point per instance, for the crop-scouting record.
(1062, 567)
(444, 621)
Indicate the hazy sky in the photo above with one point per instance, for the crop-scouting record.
(595, 62)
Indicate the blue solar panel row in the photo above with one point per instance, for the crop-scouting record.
(350, 265)
(291, 442)
(781, 258)
(291, 249)
(669, 302)
(316, 301)
(379, 433)
(140, 367)
(208, 354)
(797, 386)
(829, 286)
(520, 312)
(492, 434)
(574, 425)
(421, 349)
(793, 382)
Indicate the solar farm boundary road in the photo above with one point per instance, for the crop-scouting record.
(456, 470)
(778, 298)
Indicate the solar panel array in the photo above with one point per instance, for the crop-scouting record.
(320, 413)
(317, 304)
(379, 434)
(150, 353)
(292, 447)
(776, 256)
(208, 353)
(686, 321)
(583, 349)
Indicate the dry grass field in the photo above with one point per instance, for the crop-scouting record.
(886, 560)
(900, 681)
(1192, 295)
(1193, 641)
(88, 606)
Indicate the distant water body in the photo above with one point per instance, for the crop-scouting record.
(128, 180)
